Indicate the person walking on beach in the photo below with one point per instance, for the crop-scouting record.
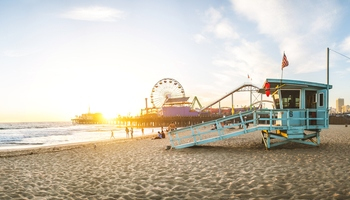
(127, 132)
(132, 132)
(143, 131)
(112, 135)
(171, 126)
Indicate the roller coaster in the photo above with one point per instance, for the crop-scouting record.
(256, 98)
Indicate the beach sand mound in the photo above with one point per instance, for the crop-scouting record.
(237, 168)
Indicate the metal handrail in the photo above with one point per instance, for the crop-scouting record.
(238, 124)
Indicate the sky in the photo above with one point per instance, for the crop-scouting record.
(59, 58)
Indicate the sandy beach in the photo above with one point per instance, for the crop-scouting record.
(238, 168)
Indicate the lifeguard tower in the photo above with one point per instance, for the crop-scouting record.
(300, 113)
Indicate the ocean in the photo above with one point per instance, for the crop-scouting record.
(35, 134)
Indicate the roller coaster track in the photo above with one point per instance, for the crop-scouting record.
(247, 87)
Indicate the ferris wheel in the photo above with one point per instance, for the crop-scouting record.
(166, 88)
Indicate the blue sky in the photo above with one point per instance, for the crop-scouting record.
(57, 58)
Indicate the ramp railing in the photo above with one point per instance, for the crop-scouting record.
(287, 120)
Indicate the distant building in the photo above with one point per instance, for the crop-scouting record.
(338, 104)
(345, 108)
(177, 107)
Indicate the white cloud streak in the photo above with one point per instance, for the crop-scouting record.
(220, 26)
(19, 52)
(298, 27)
(199, 38)
(345, 45)
(247, 58)
(94, 13)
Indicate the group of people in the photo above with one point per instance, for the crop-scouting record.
(130, 132)
(127, 131)
(161, 135)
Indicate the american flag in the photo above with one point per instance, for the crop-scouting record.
(285, 62)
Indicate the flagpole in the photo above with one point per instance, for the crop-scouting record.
(327, 81)
(282, 74)
(282, 67)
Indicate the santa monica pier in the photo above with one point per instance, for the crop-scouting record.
(168, 103)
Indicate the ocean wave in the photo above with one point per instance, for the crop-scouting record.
(51, 133)
(22, 143)
(33, 125)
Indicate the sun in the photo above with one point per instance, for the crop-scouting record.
(113, 111)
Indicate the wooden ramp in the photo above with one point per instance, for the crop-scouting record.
(284, 125)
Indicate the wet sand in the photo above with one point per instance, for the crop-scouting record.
(237, 168)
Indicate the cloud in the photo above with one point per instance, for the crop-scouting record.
(19, 53)
(247, 58)
(13, 54)
(300, 28)
(224, 30)
(345, 45)
(94, 13)
(199, 38)
(252, 37)
(213, 15)
(219, 26)
(270, 16)
(288, 18)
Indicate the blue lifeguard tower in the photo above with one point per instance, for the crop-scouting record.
(300, 113)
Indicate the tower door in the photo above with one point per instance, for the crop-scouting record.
(311, 104)
(321, 106)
